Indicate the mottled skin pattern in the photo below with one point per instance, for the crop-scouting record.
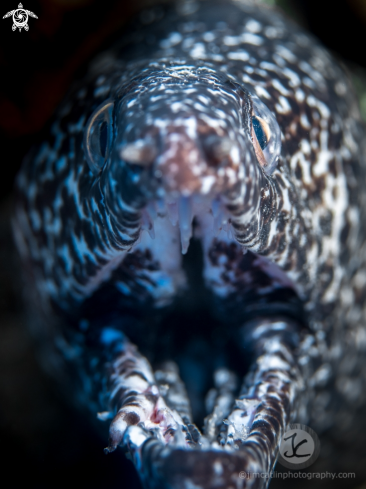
(294, 301)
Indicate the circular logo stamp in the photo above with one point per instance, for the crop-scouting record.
(20, 18)
(299, 447)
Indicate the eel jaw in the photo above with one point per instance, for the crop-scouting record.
(182, 210)
(241, 437)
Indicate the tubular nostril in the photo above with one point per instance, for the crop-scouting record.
(217, 149)
(141, 152)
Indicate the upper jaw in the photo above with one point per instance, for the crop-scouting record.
(226, 202)
(182, 211)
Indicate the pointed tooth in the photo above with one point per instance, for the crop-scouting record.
(219, 222)
(185, 222)
(143, 226)
(147, 224)
(216, 229)
(217, 225)
(184, 244)
(229, 231)
(145, 221)
(216, 217)
(219, 217)
(173, 213)
(225, 225)
(151, 210)
(160, 207)
(216, 207)
(151, 231)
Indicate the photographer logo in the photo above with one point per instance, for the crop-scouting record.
(20, 18)
(299, 447)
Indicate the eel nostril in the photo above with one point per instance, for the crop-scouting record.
(141, 152)
(217, 149)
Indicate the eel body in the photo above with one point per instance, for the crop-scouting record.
(198, 203)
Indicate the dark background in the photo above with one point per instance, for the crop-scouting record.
(43, 442)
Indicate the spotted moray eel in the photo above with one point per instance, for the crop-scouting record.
(199, 200)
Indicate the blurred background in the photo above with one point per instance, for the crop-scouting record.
(43, 442)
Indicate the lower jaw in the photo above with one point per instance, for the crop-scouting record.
(242, 435)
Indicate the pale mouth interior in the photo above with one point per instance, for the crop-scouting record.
(182, 210)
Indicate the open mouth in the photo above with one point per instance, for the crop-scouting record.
(257, 380)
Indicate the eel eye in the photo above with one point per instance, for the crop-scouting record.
(266, 136)
(98, 136)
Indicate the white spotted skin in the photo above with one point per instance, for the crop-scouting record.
(114, 239)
